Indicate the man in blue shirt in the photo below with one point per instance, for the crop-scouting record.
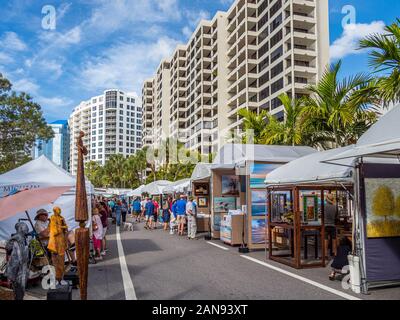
(149, 212)
(136, 209)
(181, 214)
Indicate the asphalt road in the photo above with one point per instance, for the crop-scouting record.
(163, 266)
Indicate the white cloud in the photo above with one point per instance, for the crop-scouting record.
(53, 102)
(193, 20)
(124, 66)
(27, 86)
(5, 58)
(348, 43)
(11, 41)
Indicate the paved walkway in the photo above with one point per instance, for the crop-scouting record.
(161, 266)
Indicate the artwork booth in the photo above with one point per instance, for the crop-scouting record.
(311, 206)
(239, 196)
(375, 260)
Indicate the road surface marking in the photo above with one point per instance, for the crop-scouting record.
(218, 246)
(316, 284)
(130, 293)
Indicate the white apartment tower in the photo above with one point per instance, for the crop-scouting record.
(243, 58)
(112, 123)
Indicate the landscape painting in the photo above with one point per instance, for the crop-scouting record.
(224, 204)
(382, 197)
(230, 185)
(258, 231)
(258, 202)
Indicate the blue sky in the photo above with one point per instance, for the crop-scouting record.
(101, 44)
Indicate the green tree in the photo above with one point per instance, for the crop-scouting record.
(385, 58)
(255, 122)
(94, 172)
(383, 204)
(336, 110)
(290, 132)
(21, 123)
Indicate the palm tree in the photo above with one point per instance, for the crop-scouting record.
(255, 122)
(336, 108)
(385, 57)
(291, 131)
(115, 171)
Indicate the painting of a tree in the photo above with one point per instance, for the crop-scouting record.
(383, 207)
(383, 202)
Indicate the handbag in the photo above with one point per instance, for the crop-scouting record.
(95, 227)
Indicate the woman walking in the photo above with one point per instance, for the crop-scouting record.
(166, 215)
(118, 212)
(124, 210)
(97, 228)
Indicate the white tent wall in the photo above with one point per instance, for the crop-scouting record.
(41, 173)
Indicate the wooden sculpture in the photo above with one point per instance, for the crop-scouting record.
(81, 216)
(57, 244)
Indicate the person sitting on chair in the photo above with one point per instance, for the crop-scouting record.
(42, 226)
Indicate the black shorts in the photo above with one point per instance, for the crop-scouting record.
(330, 231)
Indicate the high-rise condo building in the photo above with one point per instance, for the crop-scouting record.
(57, 148)
(112, 123)
(243, 58)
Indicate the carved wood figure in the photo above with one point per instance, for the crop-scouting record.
(57, 244)
(81, 216)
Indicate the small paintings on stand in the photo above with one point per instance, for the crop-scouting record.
(201, 190)
(202, 202)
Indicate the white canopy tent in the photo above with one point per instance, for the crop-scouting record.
(137, 192)
(202, 171)
(233, 155)
(181, 186)
(156, 187)
(382, 140)
(312, 169)
(118, 192)
(41, 173)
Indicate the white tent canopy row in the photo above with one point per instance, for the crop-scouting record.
(41, 173)
(181, 186)
(137, 192)
(118, 192)
(156, 187)
(234, 155)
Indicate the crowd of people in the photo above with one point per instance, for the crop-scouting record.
(178, 216)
